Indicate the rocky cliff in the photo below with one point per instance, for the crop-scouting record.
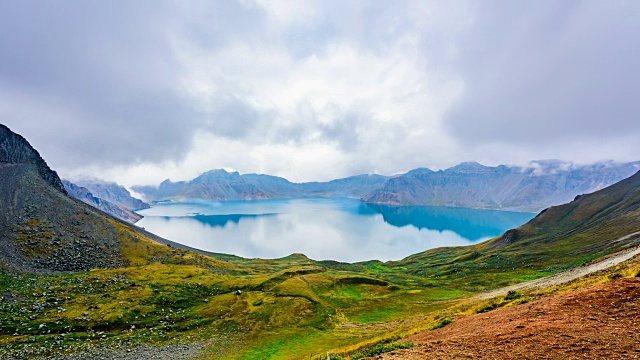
(83, 194)
(43, 229)
(14, 149)
(472, 185)
(113, 193)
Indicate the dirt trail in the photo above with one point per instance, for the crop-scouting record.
(568, 275)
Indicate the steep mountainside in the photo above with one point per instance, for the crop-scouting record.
(83, 194)
(558, 238)
(472, 185)
(223, 185)
(602, 215)
(113, 193)
(43, 229)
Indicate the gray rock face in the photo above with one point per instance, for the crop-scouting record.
(14, 149)
(472, 185)
(44, 229)
(83, 194)
(354, 186)
(223, 185)
(113, 193)
(41, 227)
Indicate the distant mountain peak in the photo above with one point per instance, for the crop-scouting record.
(216, 174)
(85, 195)
(112, 192)
(417, 171)
(468, 166)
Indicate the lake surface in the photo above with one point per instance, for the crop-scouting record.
(323, 228)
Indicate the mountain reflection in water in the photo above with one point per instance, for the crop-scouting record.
(323, 228)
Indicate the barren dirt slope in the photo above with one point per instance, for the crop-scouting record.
(598, 322)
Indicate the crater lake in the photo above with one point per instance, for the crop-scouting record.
(341, 229)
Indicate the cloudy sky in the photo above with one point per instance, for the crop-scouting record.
(140, 91)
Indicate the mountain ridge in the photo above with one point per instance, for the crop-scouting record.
(83, 194)
(585, 212)
(502, 187)
(16, 149)
(531, 188)
(222, 185)
(113, 193)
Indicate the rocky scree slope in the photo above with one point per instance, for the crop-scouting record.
(83, 194)
(42, 229)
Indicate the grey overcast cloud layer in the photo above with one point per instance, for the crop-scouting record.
(139, 91)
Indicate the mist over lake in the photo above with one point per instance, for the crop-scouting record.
(340, 229)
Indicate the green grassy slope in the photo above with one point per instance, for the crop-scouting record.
(560, 237)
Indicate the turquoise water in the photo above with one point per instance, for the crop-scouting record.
(323, 228)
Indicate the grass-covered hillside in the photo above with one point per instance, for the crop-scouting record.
(293, 307)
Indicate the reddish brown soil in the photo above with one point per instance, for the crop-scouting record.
(598, 322)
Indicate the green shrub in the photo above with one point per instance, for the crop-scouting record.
(380, 348)
(444, 322)
(512, 295)
(487, 308)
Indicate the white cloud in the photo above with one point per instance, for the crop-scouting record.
(354, 108)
